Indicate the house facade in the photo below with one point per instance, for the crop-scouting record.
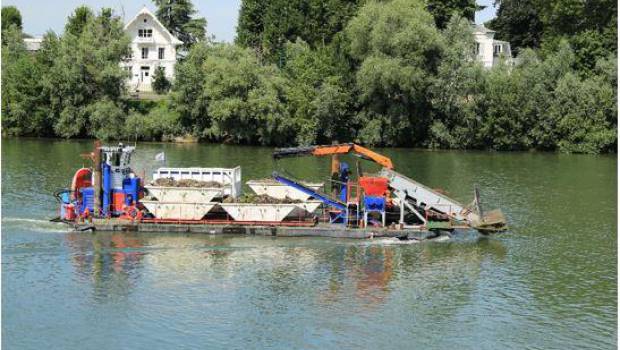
(489, 51)
(152, 46)
(33, 44)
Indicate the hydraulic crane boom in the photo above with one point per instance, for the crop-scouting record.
(342, 148)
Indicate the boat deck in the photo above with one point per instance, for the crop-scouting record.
(319, 230)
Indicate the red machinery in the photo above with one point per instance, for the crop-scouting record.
(369, 193)
(372, 186)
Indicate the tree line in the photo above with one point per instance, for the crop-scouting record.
(388, 73)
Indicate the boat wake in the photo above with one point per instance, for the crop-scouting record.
(396, 240)
(392, 240)
(38, 225)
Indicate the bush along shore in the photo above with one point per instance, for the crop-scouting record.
(382, 73)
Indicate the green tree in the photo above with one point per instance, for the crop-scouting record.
(250, 23)
(589, 26)
(244, 100)
(398, 49)
(518, 22)
(188, 95)
(106, 119)
(161, 84)
(566, 17)
(159, 124)
(176, 16)
(540, 79)
(503, 124)
(78, 20)
(86, 71)
(587, 115)
(458, 91)
(514, 110)
(314, 80)
(268, 26)
(24, 107)
(590, 46)
(443, 10)
(333, 105)
(11, 17)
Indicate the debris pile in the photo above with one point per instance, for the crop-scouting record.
(270, 181)
(170, 182)
(261, 199)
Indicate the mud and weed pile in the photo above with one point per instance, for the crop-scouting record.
(170, 182)
(261, 199)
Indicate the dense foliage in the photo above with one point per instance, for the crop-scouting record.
(160, 84)
(266, 26)
(443, 10)
(11, 17)
(588, 26)
(386, 73)
(72, 87)
(398, 49)
(518, 22)
(233, 98)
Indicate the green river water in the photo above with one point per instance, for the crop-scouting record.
(548, 283)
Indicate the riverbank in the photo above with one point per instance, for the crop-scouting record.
(191, 139)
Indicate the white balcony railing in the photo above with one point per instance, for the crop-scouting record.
(141, 39)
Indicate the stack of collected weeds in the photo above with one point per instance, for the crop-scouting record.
(261, 199)
(170, 182)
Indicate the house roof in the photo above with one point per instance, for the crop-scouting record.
(145, 11)
(480, 28)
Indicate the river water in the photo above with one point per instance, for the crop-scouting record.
(548, 283)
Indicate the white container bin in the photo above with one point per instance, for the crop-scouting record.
(230, 178)
(185, 194)
(280, 190)
(258, 212)
(180, 211)
(304, 209)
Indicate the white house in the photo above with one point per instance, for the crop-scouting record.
(152, 46)
(33, 44)
(488, 50)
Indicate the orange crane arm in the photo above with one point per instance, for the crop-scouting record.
(335, 149)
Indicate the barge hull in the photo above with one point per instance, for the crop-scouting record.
(320, 230)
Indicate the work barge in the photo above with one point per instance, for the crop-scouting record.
(110, 196)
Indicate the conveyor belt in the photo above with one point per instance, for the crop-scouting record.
(316, 194)
(428, 199)
(424, 197)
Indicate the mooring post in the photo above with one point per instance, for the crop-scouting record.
(335, 173)
(97, 177)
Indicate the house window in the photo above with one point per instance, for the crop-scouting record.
(145, 53)
(161, 53)
(477, 49)
(145, 33)
(497, 49)
(128, 69)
